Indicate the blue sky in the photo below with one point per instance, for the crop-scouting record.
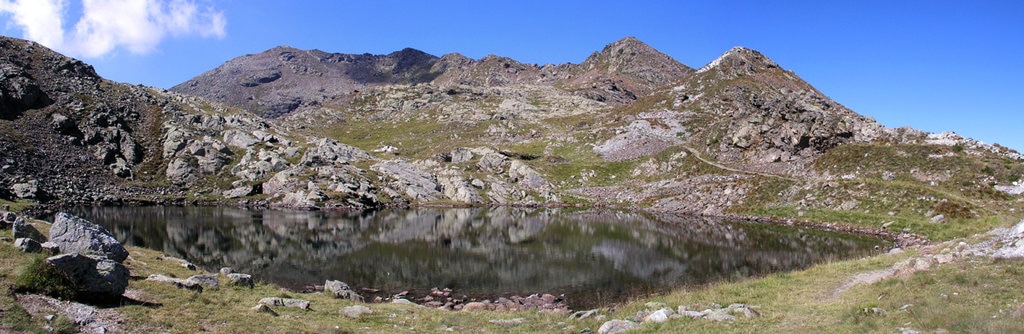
(932, 65)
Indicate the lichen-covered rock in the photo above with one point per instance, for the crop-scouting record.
(19, 92)
(241, 191)
(461, 154)
(77, 235)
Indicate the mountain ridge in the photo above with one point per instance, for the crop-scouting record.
(741, 135)
(603, 76)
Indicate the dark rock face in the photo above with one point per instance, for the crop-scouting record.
(77, 235)
(18, 92)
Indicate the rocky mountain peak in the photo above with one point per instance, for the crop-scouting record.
(740, 60)
(283, 79)
(631, 66)
(631, 56)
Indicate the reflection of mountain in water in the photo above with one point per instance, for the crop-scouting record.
(475, 250)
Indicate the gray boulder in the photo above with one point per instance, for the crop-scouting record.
(493, 162)
(50, 248)
(180, 171)
(22, 229)
(339, 289)
(186, 284)
(99, 276)
(19, 92)
(7, 219)
(77, 235)
(239, 138)
(243, 280)
(28, 245)
(525, 176)
(209, 281)
(617, 326)
(461, 154)
(286, 302)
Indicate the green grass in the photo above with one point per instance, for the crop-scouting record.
(13, 265)
(947, 230)
(18, 205)
(38, 277)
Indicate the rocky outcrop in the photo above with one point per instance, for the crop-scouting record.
(409, 180)
(327, 152)
(19, 90)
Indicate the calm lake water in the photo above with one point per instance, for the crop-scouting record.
(591, 256)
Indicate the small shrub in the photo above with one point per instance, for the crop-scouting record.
(38, 277)
(62, 324)
(952, 209)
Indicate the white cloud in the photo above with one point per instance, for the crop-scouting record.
(39, 19)
(107, 25)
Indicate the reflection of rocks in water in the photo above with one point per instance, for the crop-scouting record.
(477, 250)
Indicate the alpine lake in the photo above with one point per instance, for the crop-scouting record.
(590, 257)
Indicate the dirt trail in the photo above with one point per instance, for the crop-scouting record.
(735, 170)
